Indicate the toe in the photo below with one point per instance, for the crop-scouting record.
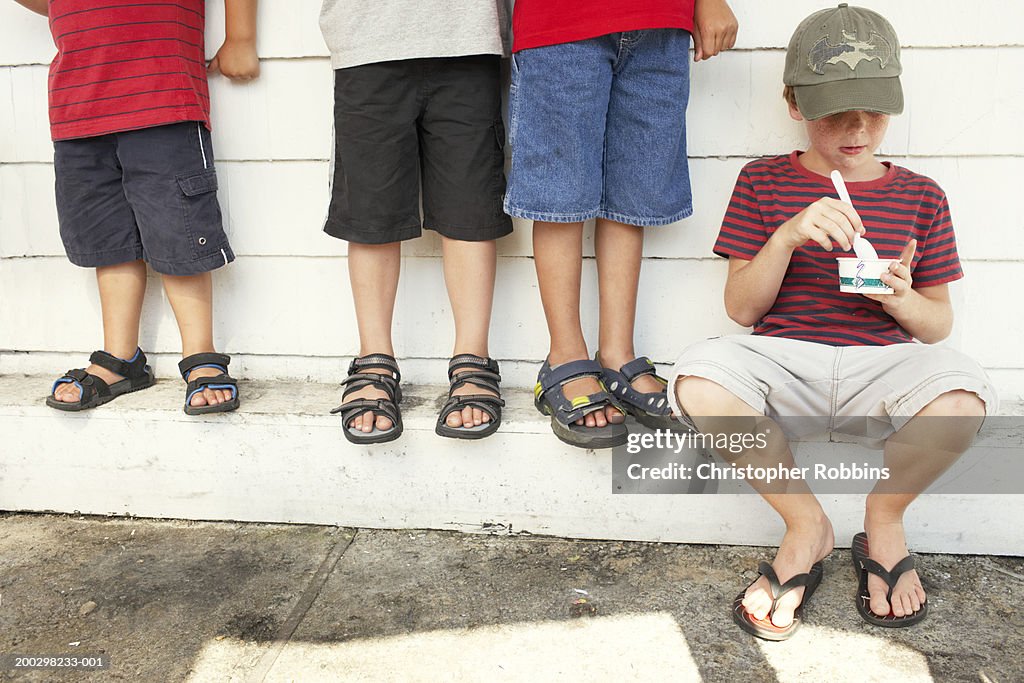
(614, 416)
(878, 604)
(467, 416)
(382, 423)
(454, 419)
(478, 417)
(199, 399)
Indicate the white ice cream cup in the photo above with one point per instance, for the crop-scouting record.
(863, 276)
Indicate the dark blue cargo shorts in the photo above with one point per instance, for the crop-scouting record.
(146, 194)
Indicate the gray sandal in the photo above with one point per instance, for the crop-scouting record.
(483, 373)
(550, 399)
(388, 407)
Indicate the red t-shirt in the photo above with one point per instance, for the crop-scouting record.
(124, 65)
(895, 208)
(536, 23)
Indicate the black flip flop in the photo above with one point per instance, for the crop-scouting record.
(864, 565)
(764, 628)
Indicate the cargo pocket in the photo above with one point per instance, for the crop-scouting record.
(202, 213)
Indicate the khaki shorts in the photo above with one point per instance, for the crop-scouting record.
(864, 392)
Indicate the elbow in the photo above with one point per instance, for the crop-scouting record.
(740, 316)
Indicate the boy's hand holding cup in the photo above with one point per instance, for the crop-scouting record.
(898, 277)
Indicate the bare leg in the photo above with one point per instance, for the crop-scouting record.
(373, 271)
(619, 249)
(191, 298)
(916, 456)
(558, 257)
(808, 537)
(122, 289)
(469, 269)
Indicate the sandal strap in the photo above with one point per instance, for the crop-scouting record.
(481, 380)
(375, 360)
(780, 589)
(890, 576)
(551, 378)
(350, 410)
(91, 385)
(359, 380)
(132, 368)
(549, 389)
(638, 367)
(469, 360)
(619, 383)
(221, 381)
(206, 359)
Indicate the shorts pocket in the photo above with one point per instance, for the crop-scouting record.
(201, 212)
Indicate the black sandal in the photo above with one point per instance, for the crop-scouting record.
(764, 628)
(93, 391)
(217, 361)
(484, 374)
(864, 565)
(388, 407)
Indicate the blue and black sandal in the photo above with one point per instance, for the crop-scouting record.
(650, 409)
(93, 391)
(550, 399)
(389, 383)
(482, 373)
(218, 361)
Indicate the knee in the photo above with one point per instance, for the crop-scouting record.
(699, 396)
(957, 403)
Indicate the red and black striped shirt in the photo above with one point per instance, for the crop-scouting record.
(895, 208)
(126, 65)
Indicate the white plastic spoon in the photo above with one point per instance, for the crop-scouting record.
(861, 247)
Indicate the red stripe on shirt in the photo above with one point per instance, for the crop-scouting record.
(123, 66)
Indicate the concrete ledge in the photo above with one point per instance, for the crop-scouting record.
(282, 458)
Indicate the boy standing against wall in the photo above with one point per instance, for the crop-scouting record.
(135, 181)
(597, 123)
(417, 104)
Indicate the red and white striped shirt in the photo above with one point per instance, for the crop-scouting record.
(126, 65)
(895, 208)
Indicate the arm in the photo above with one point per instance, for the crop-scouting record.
(926, 313)
(37, 6)
(237, 58)
(752, 286)
(714, 28)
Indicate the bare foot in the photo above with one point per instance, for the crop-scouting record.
(468, 416)
(887, 545)
(207, 397)
(68, 392)
(800, 548)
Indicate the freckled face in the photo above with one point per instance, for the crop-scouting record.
(847, 141)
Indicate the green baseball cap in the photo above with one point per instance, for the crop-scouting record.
(844, 59)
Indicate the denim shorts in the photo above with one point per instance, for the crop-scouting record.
(598, 130)
(865, 393)
(146, 194)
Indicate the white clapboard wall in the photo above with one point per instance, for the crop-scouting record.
(284, 307)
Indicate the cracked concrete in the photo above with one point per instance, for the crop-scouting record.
(199, 601)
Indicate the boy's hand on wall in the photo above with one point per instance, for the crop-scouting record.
(826, 221)
(714, 28)
(237, 60)
(900, 279)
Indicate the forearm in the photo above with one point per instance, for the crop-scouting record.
(240, 20)
(37, 6)
(751, 289)
(928, 320)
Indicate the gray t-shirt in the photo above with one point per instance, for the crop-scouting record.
(367, 31)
